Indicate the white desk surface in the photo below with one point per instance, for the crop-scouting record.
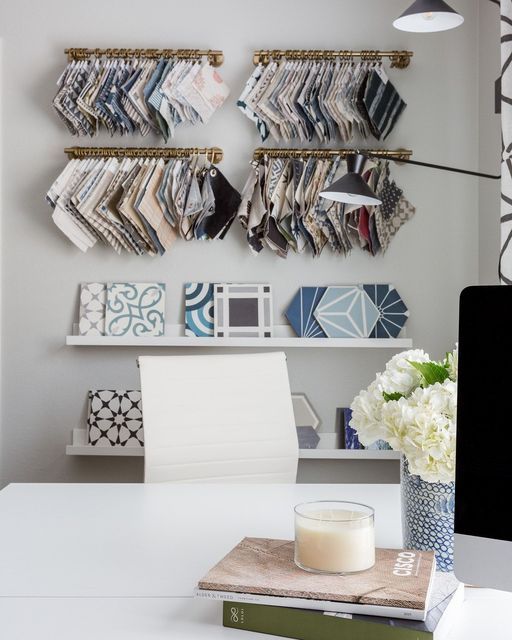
(484, 617)
(119, 561)
(158, 540)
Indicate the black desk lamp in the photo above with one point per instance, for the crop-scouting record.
(352, 189)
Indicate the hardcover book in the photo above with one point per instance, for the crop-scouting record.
(261, 570)
(303, 624)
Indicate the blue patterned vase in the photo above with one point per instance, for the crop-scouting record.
(427, 516)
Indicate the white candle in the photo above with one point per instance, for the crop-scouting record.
(334, 537)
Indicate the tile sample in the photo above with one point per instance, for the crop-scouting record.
(243, 310)
(199, 309)
(115, 418)
(135, 309)
(346, 312)
(93, 300)
(393, 313)
(300, 312)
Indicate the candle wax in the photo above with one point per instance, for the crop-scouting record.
(335, 541)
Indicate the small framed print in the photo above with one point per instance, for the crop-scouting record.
(243, 310)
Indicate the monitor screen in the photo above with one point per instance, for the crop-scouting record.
(484, 414)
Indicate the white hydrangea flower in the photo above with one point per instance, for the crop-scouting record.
(453, 363)
(421, 423)
(366, 414)
(423, 428)
(400, 376)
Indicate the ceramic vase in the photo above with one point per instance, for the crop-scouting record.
(427, 516)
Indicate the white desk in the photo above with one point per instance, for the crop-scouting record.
(484, 617)
(127, 540)
(118, 561)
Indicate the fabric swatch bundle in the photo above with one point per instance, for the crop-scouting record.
(129, 95)
(323, 99)
(281, 208)
(141, 205)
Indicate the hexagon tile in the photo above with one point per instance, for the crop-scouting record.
(393, 313)
(347, 312)
(300, 312)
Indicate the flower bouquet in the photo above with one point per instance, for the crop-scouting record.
(412, 406)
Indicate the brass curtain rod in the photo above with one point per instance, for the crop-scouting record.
(215, 57)
(399, 59)
(329, 153)
(215, 154)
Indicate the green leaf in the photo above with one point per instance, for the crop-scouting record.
(392, 396)
(432, 372)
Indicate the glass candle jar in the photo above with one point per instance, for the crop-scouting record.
(334, 537)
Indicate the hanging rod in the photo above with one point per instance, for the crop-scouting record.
(216, 58)
(399, 59)
(214, 154)
(261, 152)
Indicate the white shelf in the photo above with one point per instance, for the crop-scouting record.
(81, 448)
(266, 343)
(304, 454)
(348, 454)
(89, 450)
(282, 338)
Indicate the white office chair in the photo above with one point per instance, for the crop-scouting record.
(218, 418)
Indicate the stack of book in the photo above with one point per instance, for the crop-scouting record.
(400, 598)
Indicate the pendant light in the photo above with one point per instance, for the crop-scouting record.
(425, 16)
(352, 189)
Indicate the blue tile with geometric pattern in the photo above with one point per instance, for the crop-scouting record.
(393, 313)
(346, 312)
(301, 309)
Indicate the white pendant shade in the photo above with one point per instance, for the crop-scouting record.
(427, 16)
(351, 198)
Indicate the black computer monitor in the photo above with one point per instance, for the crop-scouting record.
(483, 490)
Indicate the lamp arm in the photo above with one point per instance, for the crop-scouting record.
(441, 167)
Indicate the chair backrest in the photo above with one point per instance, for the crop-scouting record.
(218, 418)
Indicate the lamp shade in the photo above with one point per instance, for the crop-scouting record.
(425, 16)
(351, 188)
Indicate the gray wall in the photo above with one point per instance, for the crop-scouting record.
(44, 383)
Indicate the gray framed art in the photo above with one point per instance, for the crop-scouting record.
(243, 310)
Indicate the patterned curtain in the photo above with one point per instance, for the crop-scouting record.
(506, 129)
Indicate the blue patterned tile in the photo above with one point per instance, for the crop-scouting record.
(135, 309)
(346, 312)
(393, 313)
(199, 309)
(300, 312)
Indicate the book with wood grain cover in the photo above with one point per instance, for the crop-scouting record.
(261, 570)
